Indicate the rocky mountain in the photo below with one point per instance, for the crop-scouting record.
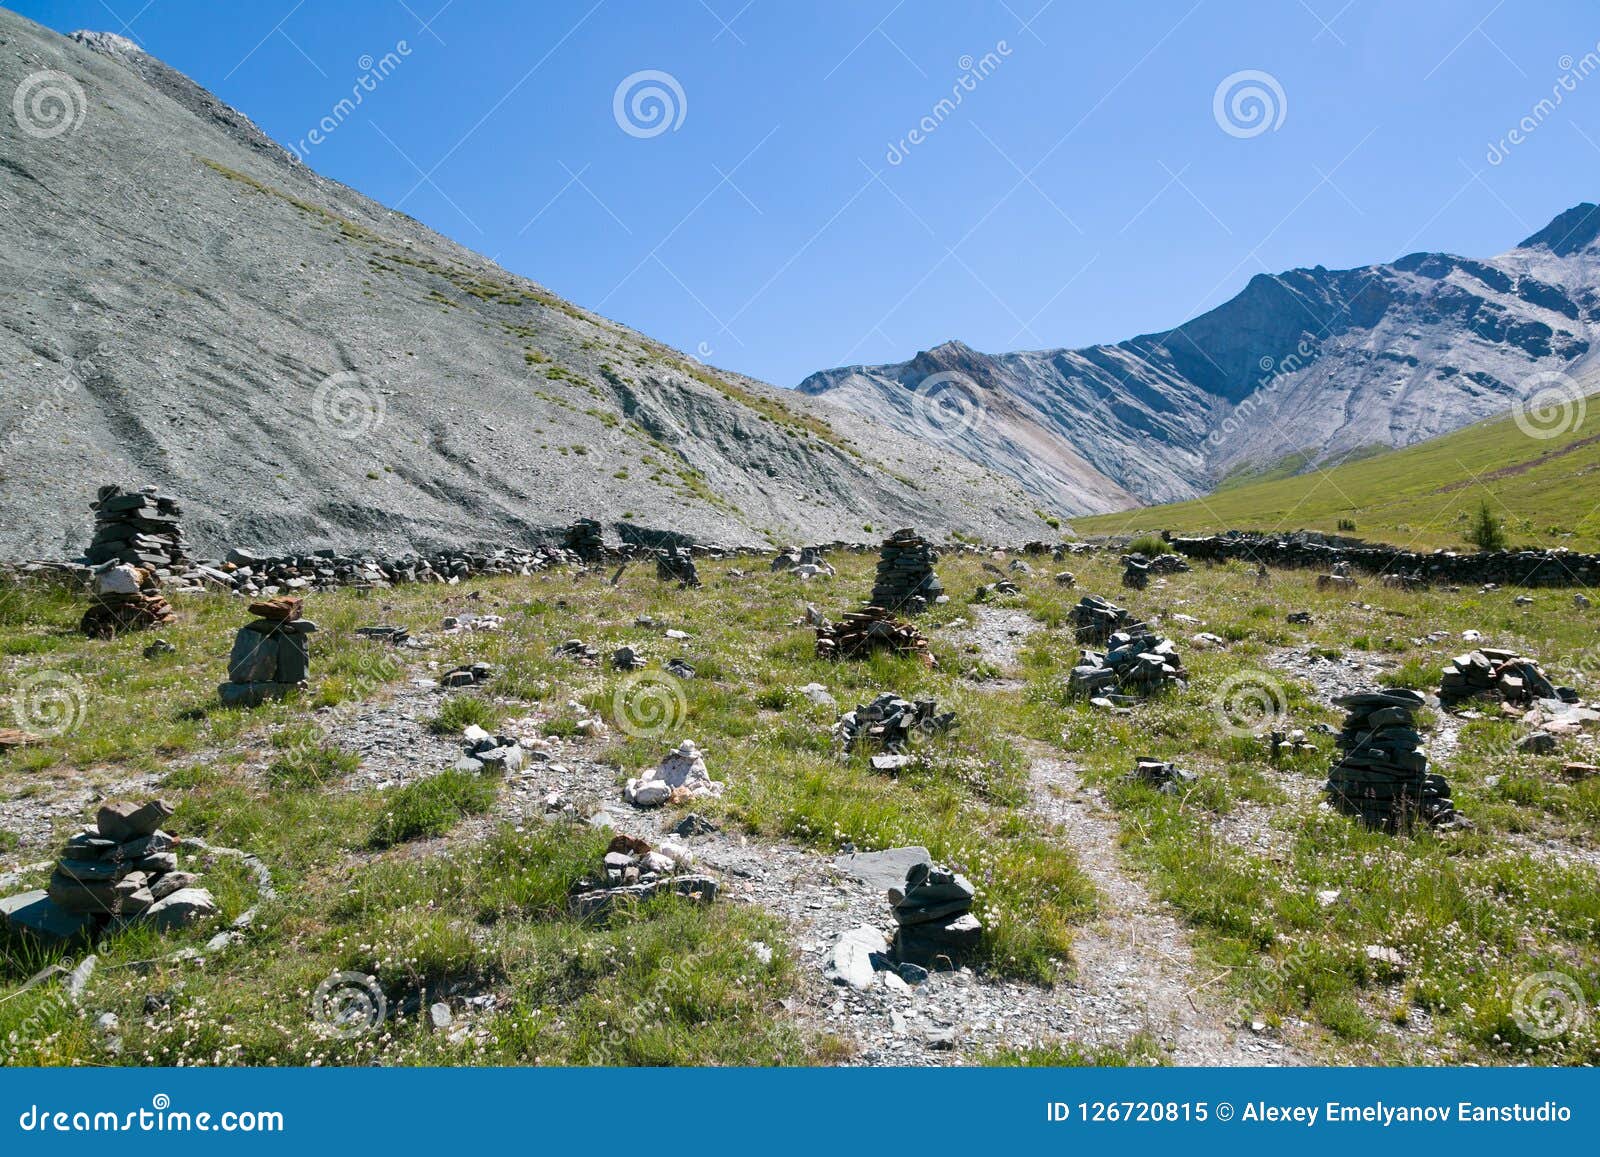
(1301, 368)
(184, 304)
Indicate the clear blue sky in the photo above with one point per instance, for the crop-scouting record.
(1082, 191)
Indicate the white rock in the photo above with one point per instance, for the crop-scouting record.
(118, 580)
(682, 772)
(851, 960)
(818, 694)
(678, 853)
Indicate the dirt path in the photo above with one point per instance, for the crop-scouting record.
(1135, 965)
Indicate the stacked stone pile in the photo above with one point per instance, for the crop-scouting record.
(469, 675)
(680, 777)
(585, 540)
(139, 527)
(1382, 774)
(861, 633)
(271, 654)
(122, 870)
(1491, 671)
(1138, 664)
(626, 659)
(987, 591)
(1168, 563)
(483, 752)
(1095, 619)
(676, 564)
(1135, 571)
(1167, 778)
(125, 598)
(905, 578)
(933, 915)
(892, 723)
(634, 871)
(578, 650)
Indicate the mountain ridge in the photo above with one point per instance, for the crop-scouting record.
(191, 307)
(1310, 362)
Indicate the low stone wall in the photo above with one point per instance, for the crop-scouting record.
(1528, 568)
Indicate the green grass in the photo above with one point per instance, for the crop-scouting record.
(431, 806)
(1545, 491)
(399, 884)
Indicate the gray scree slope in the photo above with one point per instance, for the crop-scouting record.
(1314, 363)
(175, 288)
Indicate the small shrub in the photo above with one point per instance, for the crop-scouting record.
(1486, 531)
(312, 765)
(461, 710)
(1149, 545)
(1347, 524)
(431, 807)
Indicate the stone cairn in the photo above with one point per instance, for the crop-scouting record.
(578, 651)
(892, 723)
(125, 598)
(861, 633)
(681, 776)
(482, 752)
(140, 528)
(584, 539)
(933, 917)
(1095, 620)
(1167, 778)
(123, 869)
(634, 871)
(676, 564)
(1506, 674)
(905, 578)
(1382, 775)
(1138, 665)
(1135, 571)
(271, 654)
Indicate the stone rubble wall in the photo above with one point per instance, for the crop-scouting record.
(1530, 568)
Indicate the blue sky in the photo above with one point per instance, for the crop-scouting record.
(1085, 188)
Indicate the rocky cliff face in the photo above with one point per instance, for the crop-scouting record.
(1307, 366)
(183, 304)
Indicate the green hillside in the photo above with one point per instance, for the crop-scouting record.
(1545, 491)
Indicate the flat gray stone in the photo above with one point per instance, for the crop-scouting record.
(35, 914)
(886, 869)
(855, 956)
